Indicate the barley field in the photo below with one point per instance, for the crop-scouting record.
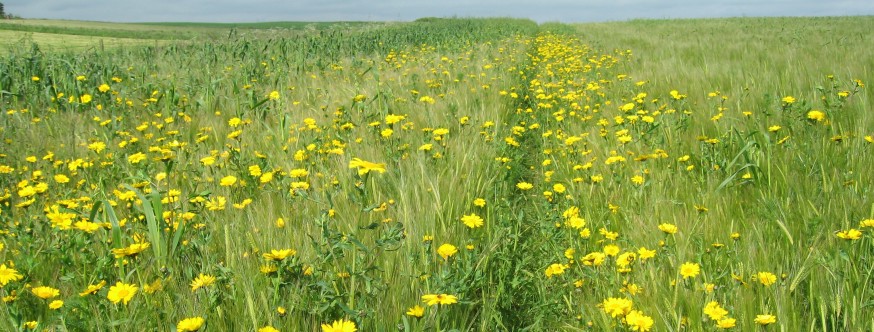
(438, 175)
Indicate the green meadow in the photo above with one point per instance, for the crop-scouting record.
(488, 174)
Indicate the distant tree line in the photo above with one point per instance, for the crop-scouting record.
(4, 14)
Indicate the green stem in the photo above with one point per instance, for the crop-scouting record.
(352, 282)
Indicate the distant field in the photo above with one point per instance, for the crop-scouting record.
(266, 25)
(62, 42)
(733, 54)
(69, 24)
(100, 29)
(77, 35)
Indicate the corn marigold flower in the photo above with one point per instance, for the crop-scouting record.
(632, 289)
(202, 280)
(593, 259)
(341, 325)
(816, 115)
(216, 203)
(439, 133)
(207, 161)
(765, 319)
(416, 311)
(575, 222)
(279, 255)
(266, 177)
(268, 269)
(8, 275)
(644, 254)
(479, 202)
(726, 323)
(555, 269)
(668, 228)
(625, 259)
(715, 311)
(45, 292)
(709, 287)
(190, 324)
(228, 181)
(255, 170)
(56, 304)
(392, 119)
(617, 307)
(136, 158)
(614, 159)
(58, 219)
(638, 322)
(268, 329)
(446, 250)
(26, 192)
(572, 211)
(97, 146)
(766, 278)
(92, 289)
(472, 221)
(121, 292)
(690, 270)
(131, 250)
(61, 178)
(524, 186)
(850, 234)
(86, 226)
(243, 204)
(235, 134)
(432, 299)
(611, 250)
(365, 167)
(298, 173)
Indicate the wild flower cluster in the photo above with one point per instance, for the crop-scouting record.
(527, 181)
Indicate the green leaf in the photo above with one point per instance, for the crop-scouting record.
(149, 210)
(371, 226)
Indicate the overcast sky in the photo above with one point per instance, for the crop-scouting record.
(405, 10)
